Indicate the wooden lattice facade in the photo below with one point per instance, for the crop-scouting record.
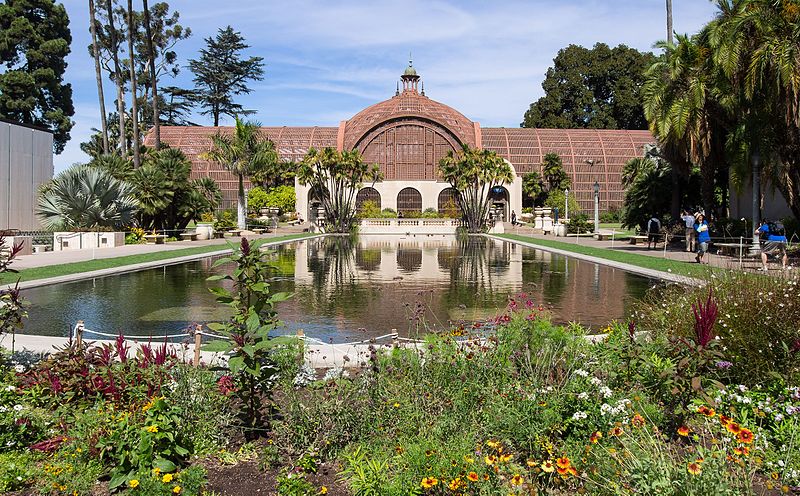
(409, 133)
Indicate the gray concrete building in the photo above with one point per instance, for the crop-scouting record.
(26, 161)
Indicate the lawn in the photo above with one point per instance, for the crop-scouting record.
(644, 261)
(108, 263)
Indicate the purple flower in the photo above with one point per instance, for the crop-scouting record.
(723, 364)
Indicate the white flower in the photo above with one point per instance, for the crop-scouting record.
(19, 368)
(595, 381)
(606, 391)
(581, 373)
(583, 396)
(778, 417)
(10, 388)
(18, 408)
(579, 415)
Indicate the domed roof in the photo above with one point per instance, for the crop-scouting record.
(408, 104)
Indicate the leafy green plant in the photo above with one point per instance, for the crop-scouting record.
(294, 483)
(16, 471)
(249, 345)
(226, 219)
(188, 482)
(365, 476)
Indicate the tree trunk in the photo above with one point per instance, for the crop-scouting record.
(134, 94)
(669, 22)
(240, 213)
(151, 57)
(98, 76)
(675, 204)
(707, 189)
(123, 148)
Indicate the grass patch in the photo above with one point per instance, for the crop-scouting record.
(644, 261)
(35, 273)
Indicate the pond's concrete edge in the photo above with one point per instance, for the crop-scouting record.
(123, 269)
(635, 269)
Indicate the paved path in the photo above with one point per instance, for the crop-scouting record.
(713, 260)
(50, 258)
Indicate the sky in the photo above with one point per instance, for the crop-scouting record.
(327, 60)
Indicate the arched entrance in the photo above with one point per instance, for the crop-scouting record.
(368, 194)
(448, 203)
(315, 211)
(409, 200)
(498, 203)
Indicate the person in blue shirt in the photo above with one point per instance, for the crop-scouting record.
(773, 242)
(703, 237)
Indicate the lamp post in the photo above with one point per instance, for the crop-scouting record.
(596, 207)
(755, 248)
(566, 204)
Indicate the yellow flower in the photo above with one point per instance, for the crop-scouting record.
(694, 468)
(683, 431)
(506, 457)
(429, 482)
(490, 459)
(396, 404)
(323, 490)
(455, 484)
(517, 480)
(176, 489)
(472, 477)
(156, 471)
(152, 428)
(469, 459)
(493, 444)
(167, 478)
(133, 483)
(547, 466)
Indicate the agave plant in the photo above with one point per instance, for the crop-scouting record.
(84, 197)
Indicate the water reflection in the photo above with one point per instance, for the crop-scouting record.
(348, 288)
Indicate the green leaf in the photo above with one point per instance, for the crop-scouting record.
(236, 363)
(181, 450)
(216, 326)
(283, 296)
(217, 346)
(119, 479)
(220, 291)
(164, 465)
(217, 277)
(249, 350)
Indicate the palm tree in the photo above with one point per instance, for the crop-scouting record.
(685, 104)
(241, 153)
(474, 173)
(84, 197)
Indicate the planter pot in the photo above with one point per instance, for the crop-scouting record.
(205, 230)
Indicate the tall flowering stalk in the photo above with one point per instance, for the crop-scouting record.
(705, 316)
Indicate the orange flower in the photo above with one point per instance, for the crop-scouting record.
(616, 431)
(734, 428)
(694, 468)
(517, 480)
(563, 462)
(563, 471)
(595, 437)
(472, 477)
(741, 451)
(745, 436)
(572, 471)
(485, 476)
(547, 466)
(683, 431)
(429, 482)
(708, 412)
(530, 463)
(637, 420)
(455, 484)
(724, 420)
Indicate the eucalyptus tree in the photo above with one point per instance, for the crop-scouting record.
(334, 178)
(473, 174)
(85, 197)
(242, 153)
(98, 75)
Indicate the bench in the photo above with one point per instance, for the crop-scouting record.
(235, 233)
(295, 222)
(219, 234)
(636, 239)
(40, 248)
(260, 230)
(606, 236)
(189, 236)
(733, 249)
(155, 239)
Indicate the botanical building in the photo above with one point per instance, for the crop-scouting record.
(409, 133)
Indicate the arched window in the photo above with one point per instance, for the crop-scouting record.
(409, 200)
(368, 194)
(448, 202)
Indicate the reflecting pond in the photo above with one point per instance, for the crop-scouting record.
(351, 288)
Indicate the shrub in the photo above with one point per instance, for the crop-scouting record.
(281, 197)
(226, 219)
(430, 213)
(369, 210)
(16, 471)
(610, 217)
(579, 223)
(388, 213)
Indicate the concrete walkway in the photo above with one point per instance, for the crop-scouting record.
(50, 258)
(750, 264)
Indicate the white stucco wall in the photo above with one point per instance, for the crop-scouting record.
(26, 161)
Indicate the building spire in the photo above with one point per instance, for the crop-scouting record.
(397, 91)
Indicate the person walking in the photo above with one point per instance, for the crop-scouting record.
(653, 231)
(773, 242)
(703, 237)
(688, 220)
(513, 218)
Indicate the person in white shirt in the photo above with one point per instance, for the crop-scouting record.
(688, 220)
(653, 231)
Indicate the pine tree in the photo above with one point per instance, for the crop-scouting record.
(221, 73)
(34, 43)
